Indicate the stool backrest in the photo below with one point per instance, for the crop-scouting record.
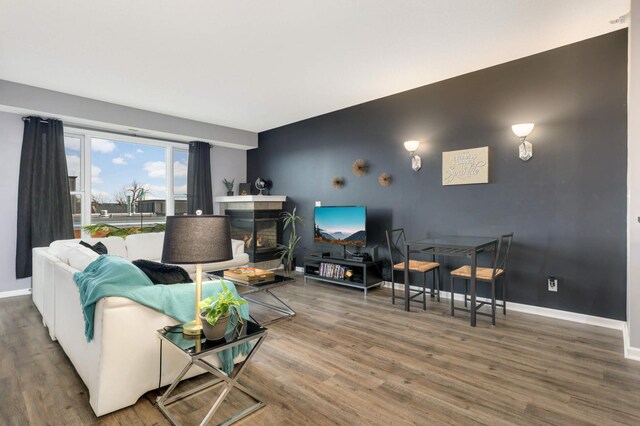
(502, 253)
(395, 243)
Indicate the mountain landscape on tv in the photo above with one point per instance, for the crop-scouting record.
(357, 238)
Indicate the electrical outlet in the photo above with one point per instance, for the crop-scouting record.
(553, 283)
(318, 203)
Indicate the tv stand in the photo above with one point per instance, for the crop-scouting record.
(351, 273)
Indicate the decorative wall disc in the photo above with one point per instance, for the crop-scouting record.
(385, 179)
(360, 167)
(337, 182)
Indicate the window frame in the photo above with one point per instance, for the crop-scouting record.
(86, 135)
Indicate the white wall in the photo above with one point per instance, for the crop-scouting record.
(633, 183)
(11, 128)
(230, 164)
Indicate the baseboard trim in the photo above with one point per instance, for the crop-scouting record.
(629, 351)
(546, 312)
(14, 293)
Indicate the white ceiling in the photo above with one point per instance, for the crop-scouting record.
(256, 65)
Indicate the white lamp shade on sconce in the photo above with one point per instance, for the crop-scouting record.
(411, 146)
(522, 130)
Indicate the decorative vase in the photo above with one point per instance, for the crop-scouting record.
(289, 265)
(229, 193)
(216, 331)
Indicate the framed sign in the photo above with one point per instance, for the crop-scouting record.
(466, 166)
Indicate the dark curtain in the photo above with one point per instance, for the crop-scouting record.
(199, 192)
(44, 206)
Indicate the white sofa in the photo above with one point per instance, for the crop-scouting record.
(121, 363)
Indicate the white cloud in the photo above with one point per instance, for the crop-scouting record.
(129, 155)
(155, 169)
(95, 174)
(73, 165)
(119, 161)
(179, 169)
(72, 143)
(102, 145)
(155, 191)
(139, 151)
(101, 196)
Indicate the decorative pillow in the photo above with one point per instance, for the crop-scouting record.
(60, 249)
(161, 273)
(80, 257)
(97, 247)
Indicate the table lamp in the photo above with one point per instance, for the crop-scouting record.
(197, 239)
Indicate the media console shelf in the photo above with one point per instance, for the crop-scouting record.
(364, 275)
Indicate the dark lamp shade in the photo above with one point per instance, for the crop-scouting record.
(197, 239)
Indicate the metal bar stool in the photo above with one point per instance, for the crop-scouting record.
(488, 275)
(396, 242)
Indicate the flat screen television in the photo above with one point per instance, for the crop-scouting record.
(344, 225)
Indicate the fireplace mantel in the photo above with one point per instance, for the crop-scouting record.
(251, 198)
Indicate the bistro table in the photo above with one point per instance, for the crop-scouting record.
(454, 246)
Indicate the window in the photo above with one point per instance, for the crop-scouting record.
(73, 145)
(180, 165)
(124, 181)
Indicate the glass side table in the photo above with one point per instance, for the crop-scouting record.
(196, 349)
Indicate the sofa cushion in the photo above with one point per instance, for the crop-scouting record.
(60, 249)
(145, 246)
(115, 245)
(162, 273)
(80, 257)
(98, 247)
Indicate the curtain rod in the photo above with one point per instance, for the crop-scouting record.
(115, 132)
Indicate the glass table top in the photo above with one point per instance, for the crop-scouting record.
(454, 241)
(277, 281)
(193, 345)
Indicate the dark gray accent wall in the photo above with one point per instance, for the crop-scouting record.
(566, 206)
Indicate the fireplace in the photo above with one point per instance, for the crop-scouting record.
(255, 219)
(261, 231)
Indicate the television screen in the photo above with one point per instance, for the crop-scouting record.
(341, 225)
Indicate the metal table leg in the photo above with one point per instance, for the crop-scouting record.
(284, 309)
(230, 382)
(474, 259)
(407, 284)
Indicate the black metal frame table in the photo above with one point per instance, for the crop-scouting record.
(450, 246)
(198, 348)
(279, 280)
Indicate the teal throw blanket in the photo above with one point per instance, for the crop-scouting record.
(114, 276)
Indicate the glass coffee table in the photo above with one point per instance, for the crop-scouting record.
(197, 348)
(245, 290)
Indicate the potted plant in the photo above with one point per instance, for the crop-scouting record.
(229, 185)
(288, 250)
(216, 312)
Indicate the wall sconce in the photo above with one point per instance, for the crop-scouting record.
(522, 131)
(416, 161)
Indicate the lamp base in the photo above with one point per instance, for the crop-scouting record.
(191, 328)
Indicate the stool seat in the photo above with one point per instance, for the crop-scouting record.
(417, 265)
(481, 273)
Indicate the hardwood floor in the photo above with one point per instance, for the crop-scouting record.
(349, 361)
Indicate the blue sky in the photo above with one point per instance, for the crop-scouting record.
(341, 219)
(114, 165)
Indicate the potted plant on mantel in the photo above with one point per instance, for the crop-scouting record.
(216, 312)
(229, 185)
(288, 250)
